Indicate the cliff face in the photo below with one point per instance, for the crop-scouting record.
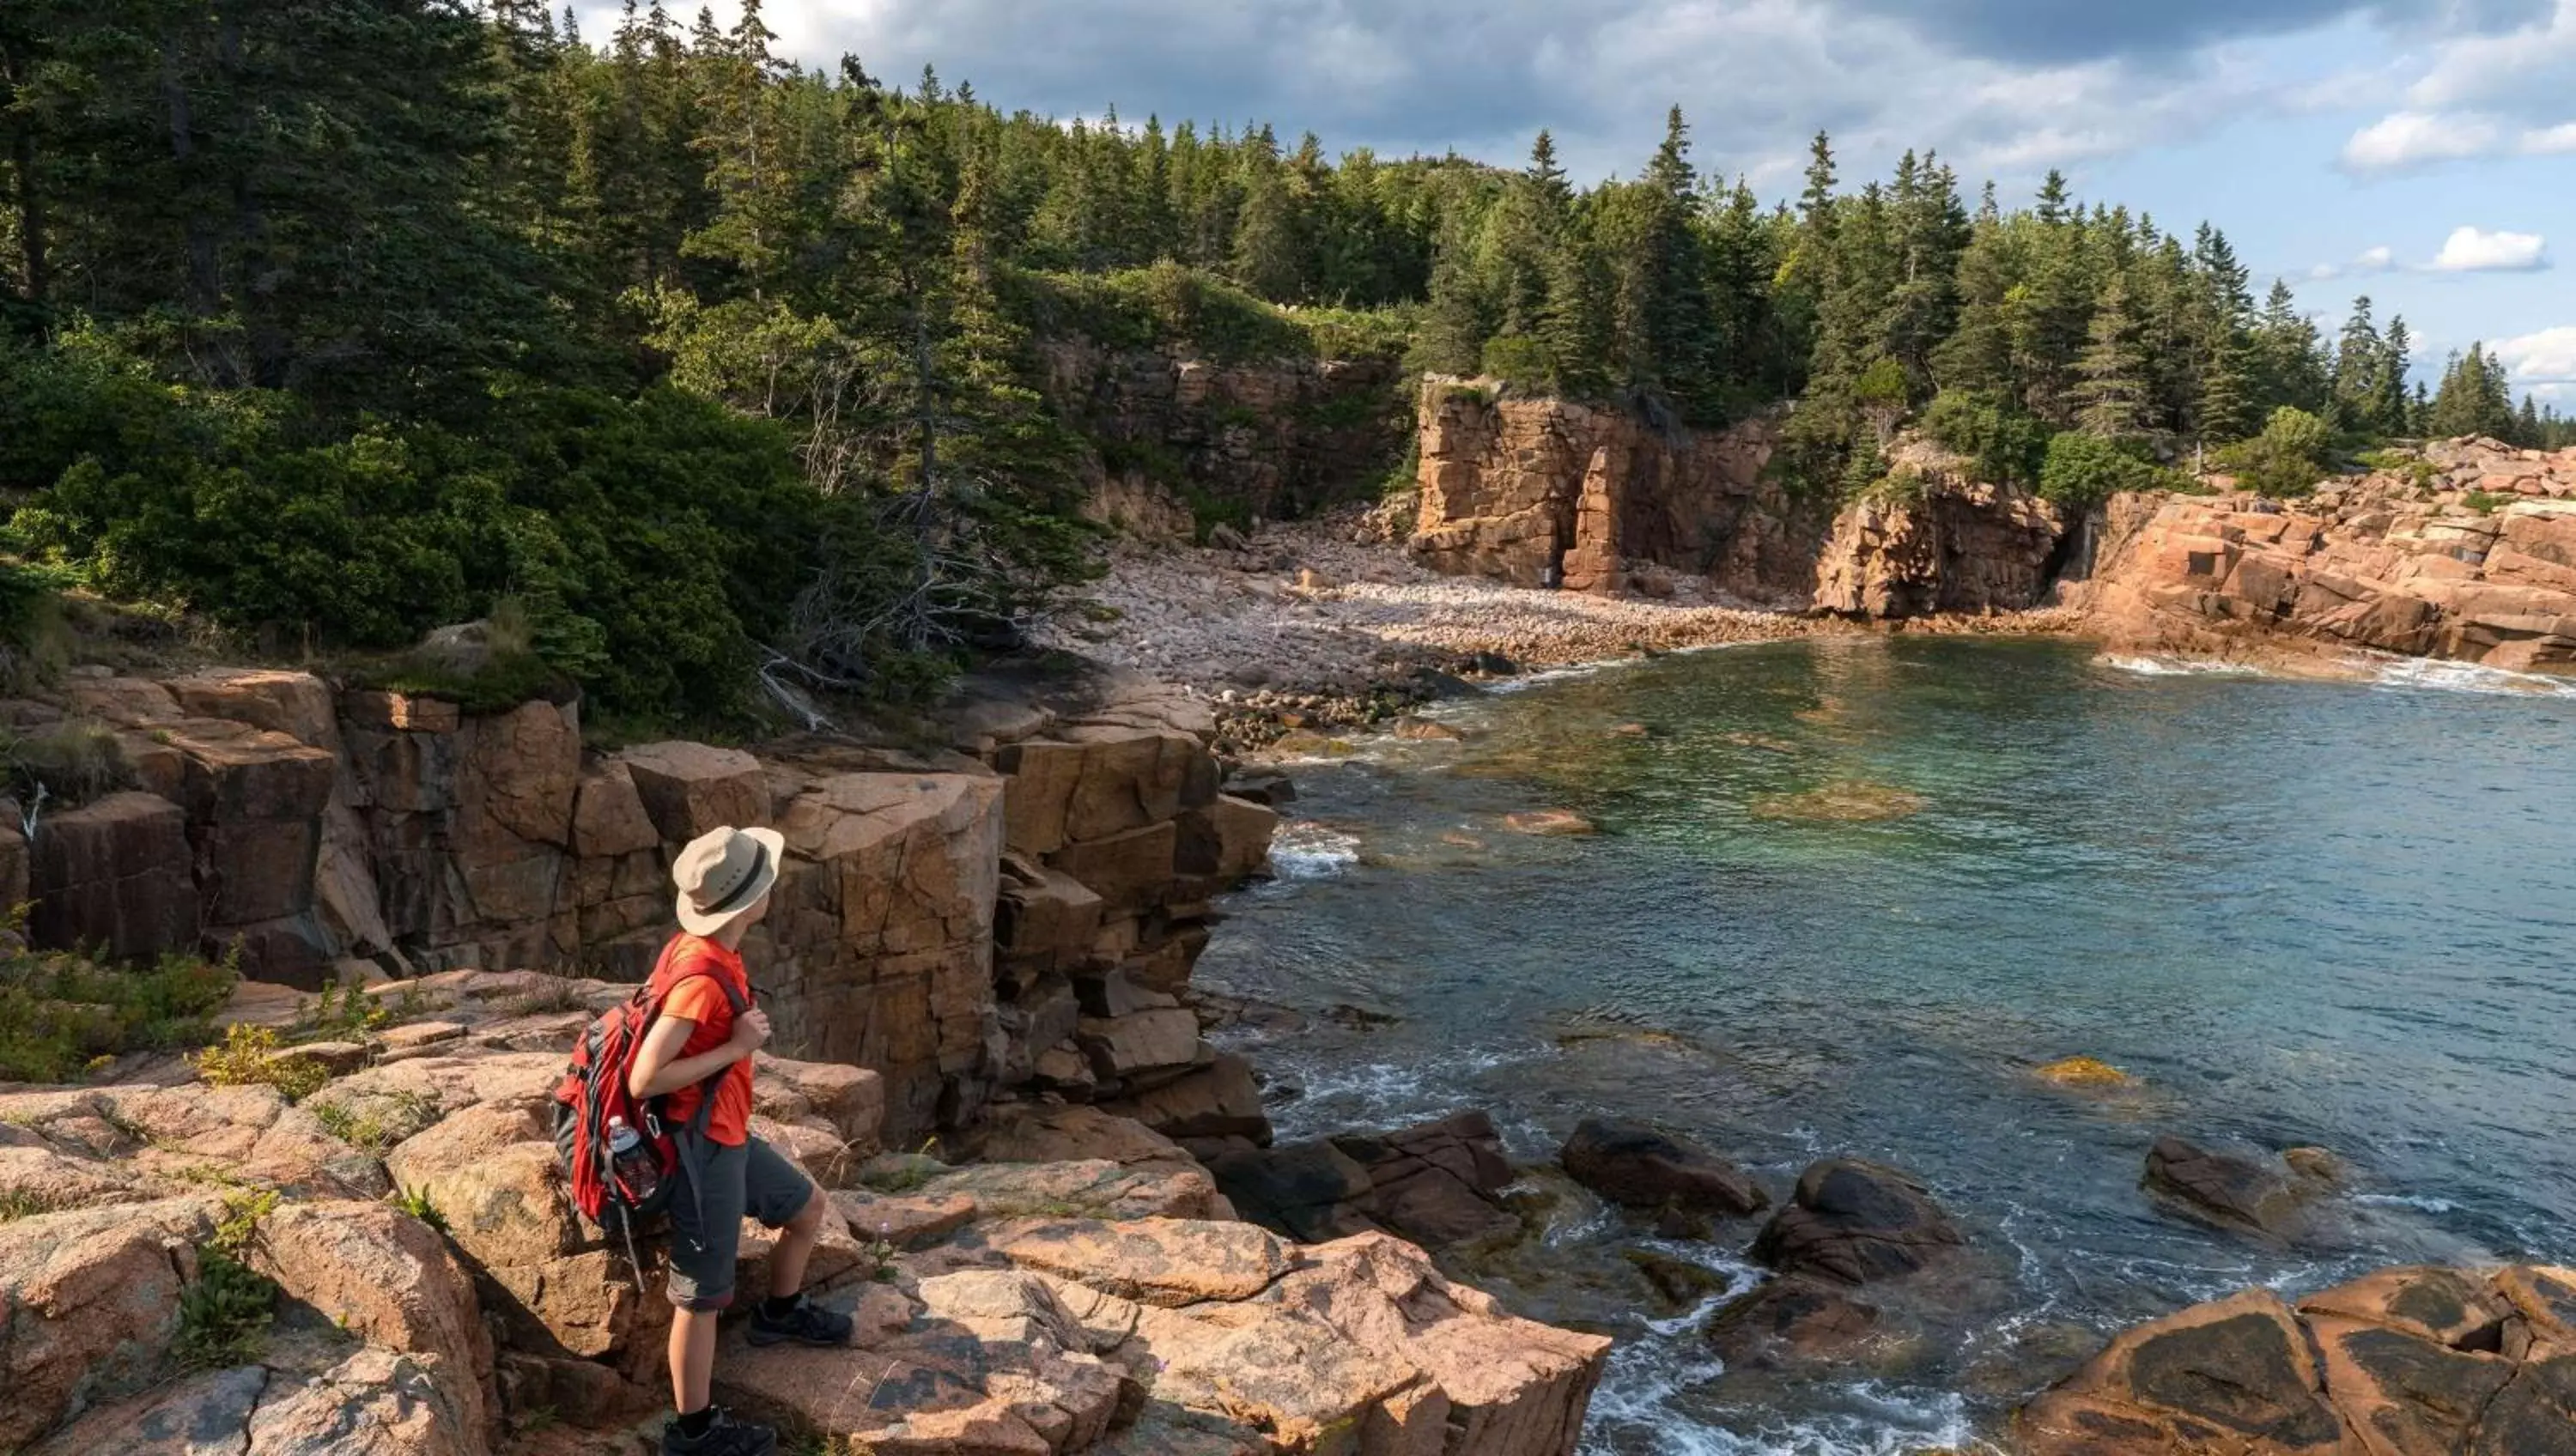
(1544, 493)
(1948, 545)
(943, 919)
(2470, 556)
(1184, 443)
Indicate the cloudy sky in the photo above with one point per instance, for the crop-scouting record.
(2420, 151)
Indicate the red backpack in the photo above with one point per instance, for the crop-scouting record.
(594, 1090)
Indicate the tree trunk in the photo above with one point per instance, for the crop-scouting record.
(21, 153)
(205, 287)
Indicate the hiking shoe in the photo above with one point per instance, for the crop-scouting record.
(727, 1437)
(806, 1324)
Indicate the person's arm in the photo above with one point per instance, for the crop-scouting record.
(660, 1068)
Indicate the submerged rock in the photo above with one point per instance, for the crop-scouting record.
(1791, 1318)
(1633, 1164)
(1557, 823)
(1842, 803)
(2229, 1190)
(2083, 1072)
(1858, 1223)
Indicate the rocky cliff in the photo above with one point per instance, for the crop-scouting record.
(2466, 552)
(1546, 493)
(1000, 911)
(1185, 444)
(1934, 540)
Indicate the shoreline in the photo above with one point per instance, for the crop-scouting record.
(1325, 624)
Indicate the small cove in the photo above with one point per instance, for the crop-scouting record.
(2296, 912)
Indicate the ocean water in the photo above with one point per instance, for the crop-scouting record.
(2297, 913)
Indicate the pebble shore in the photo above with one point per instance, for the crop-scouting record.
(1325, 623)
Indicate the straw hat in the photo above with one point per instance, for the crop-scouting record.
(723, 873)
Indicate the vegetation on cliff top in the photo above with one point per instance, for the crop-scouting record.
(332, 323)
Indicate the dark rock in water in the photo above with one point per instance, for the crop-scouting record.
(1633, 1164)
(1857, 1222)
(1308, 1191)
(1436, 1183)
(1360, 1018)
(1791, 1317)
(1433, 1184)
(2226, 1189)
(1432, 683)
(1270, 789)
(1493, 664)
(2404, 1362)
(1679, 1281)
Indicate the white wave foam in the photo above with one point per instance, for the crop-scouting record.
(1308, 851)
(2173, 666)
(2407, 1200)
(2468, 677)
(1529, 680)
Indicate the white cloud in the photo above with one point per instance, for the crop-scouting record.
(2380, 259)
(1757, 77)
(2547, 357)
(2544, 141)
(2528, 66)
(2412, 138)
(2481, 95)
(2474, 250)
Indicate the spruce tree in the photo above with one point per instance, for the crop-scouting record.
(2112, 397)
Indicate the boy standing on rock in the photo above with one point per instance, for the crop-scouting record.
(700, 1047)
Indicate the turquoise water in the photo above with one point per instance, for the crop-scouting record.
(2296, 912)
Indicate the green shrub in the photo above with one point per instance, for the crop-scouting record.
(651, 541)
(2082, 471)
(2484, 502)
(1520, 359)
(2008, 446)
(61, 1012)
(417, 1203)
(1166, 306)
(250, 1056)
(339, 1012)
(72, 762)
(2287, 459)
(224, 1316)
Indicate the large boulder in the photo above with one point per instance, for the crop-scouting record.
(1436, 1183)
(2228, 1190)
(687, 789)
(2402, 1362)
(390, 1280)
(89, 1305)
(2236, 1372)
(1858, 1223)
(1636, 1165)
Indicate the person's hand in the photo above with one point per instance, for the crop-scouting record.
(750, 1032)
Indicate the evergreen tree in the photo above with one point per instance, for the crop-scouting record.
(2112, 399)
(2358, 360)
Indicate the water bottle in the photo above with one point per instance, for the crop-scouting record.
(636, 1173)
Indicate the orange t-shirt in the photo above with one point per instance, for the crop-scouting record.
(691, 963)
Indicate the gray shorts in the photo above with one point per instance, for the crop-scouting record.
(730, 1184)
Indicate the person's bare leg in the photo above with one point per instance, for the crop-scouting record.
(693, 1358)
(795, 1245)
